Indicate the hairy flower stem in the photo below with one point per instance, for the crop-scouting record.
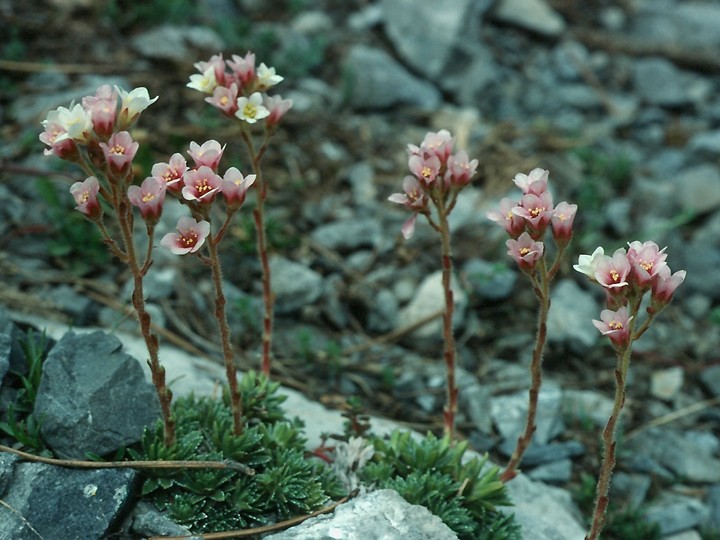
(221, 316)
(259, 219)
(543, 294)
(448, 335)
(609, 442)
(125, 219)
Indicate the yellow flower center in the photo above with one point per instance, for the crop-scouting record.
(426, 172)
(202, 186)
(118, 150)
(614, 275)
(524, 251)
(535, 212)
(84, 197)
(615, 325)
(647, 266)
(148, 197)
(250, 110)
(189, 239)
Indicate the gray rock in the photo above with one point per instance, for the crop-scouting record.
(676, 513)
(7, 469)
(630, 488)
(383, 314)
(57, 502)
(686, 24)
(489, 280)
(680, 453)
(349, 235)
(571, 312)
(15, 356)
(362, 182)
(424, 35)
(659, 82)
(666, 383)
(583, 405)
(554, 473)
(294, 285)
(429, 298)
(698, 188)
(538, 508)
(534, 15)
(377, 81)
(5, 350)
(470, 74)
(147, 521)
(175, 43)
(542, 454)
(713, 502)
(710, 377)
(379, 514)
(92, 396)
(509, 414)
(705, 145)
(68, 300)
(701, 258)
(475, 401)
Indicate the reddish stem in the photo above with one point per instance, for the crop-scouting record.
(228, 355)
(524, 440)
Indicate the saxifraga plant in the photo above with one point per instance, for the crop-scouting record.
(431, 472)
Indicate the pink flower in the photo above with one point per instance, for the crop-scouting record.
(225, 99)
(251, 109)
(190, 236)
(119, 151)
(647, 260)
(562, 221)
(615, 325)
(216, 66)
(171, 173)
(425, 168)
(60, 145)
(534, 183)
(525, 251)
(86, 197)
(277, 107)
(75, 124)
(201, 185)
(102, 108)
(243, 69)
(149, 198)
(234, 187)
(513, 224)
(664, 286)
(537, 210)
(413, 198)
(459, 169)
(438, 144)
(612, 272)
(209, 154)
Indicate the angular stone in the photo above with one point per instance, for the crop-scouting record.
(93, 397)
(379, 514)
(710, 377)
(429, 298)
(377, 81)
(698, 188)
(555, 473)
(666, 383)
(659, 82)
(349, 235)
(510, 412)
(58, 502)
(489, 280)
(676, 513)
(534, 15)
(294, 285)
(424, 35)
(571, 311)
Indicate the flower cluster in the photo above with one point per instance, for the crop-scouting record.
(436, 173)
(527, 220)
(626, 276)
(95, 121)
(237, 88)
(197, 187)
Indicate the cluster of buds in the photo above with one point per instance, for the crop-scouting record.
(527, 220)
(626, 276)
(238, 88)
(437, 173)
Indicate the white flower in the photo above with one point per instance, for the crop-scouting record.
(267, 77)
(77, 122)
(204, 82)
(350, 458)
(587, 264)
(134, 102)
(251, 109)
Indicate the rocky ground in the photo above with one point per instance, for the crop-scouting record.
(619, 100)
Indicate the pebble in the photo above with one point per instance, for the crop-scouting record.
(665, 384)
